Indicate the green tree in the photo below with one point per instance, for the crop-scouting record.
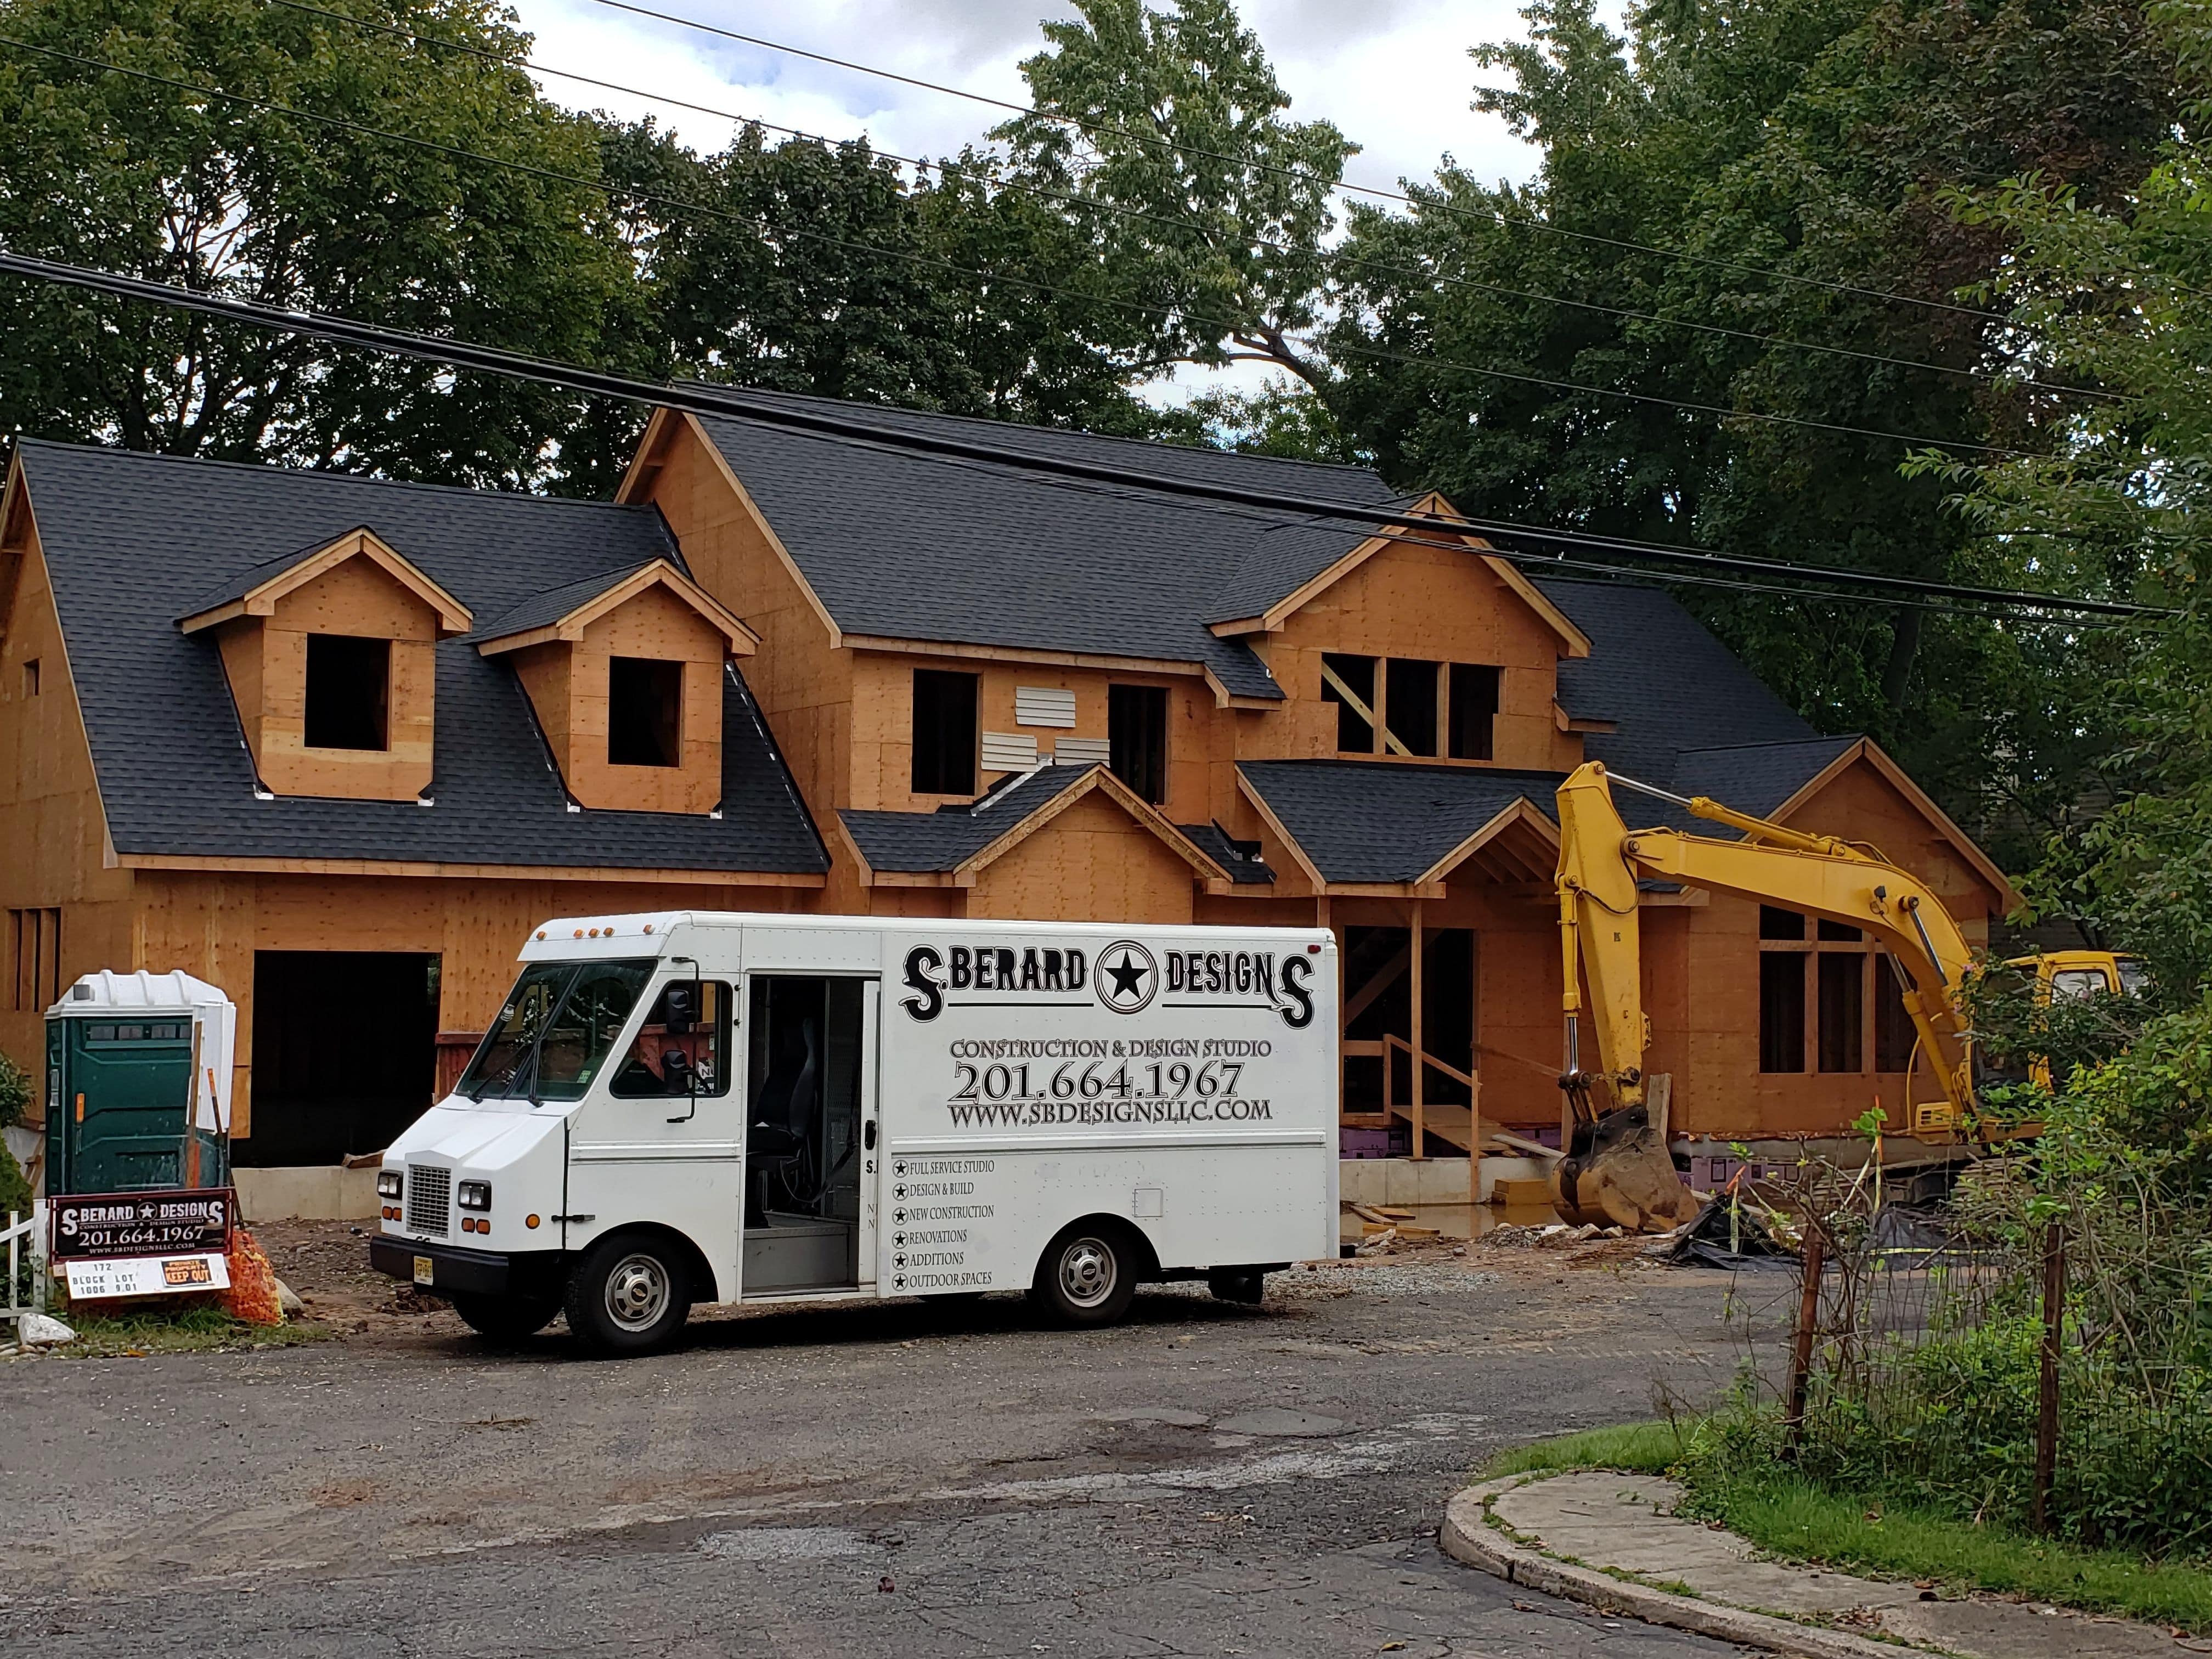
(1787, 158)
(1164, 134)
(811, 267)
(2114, 291)
(130, 173)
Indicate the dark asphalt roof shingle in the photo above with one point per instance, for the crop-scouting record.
(237, 585)
(1754, 777)
(912, 546)
(543, 610)
(919, 843)
(132, 540)
(1668, 684)
(1241, 859)
(1368, 821)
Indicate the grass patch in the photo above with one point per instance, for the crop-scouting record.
(1793, 1519)
(189, 1330)
(1640, 1448)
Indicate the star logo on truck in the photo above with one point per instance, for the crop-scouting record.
(1128, 976)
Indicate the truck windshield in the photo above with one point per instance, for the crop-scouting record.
(558, 1029)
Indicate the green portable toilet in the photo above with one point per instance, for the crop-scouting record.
(137, 1080)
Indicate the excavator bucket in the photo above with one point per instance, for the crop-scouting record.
(1617, 1173)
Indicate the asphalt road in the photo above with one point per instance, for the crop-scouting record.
(894, 1479)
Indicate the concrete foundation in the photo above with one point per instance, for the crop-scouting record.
(1404, 1180)
(318, 1193)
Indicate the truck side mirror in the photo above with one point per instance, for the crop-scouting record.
(680, 1006)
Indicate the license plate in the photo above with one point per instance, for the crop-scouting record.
(423, 1267)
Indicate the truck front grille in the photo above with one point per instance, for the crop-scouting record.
(429, 1198)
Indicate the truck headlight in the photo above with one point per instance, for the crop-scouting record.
(387, 1184)
(473, 1195)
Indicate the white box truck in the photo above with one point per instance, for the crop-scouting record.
(692, 1107)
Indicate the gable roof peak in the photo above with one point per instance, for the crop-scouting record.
(255, 591)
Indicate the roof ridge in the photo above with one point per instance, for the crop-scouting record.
(116, 452)
(1053, 431)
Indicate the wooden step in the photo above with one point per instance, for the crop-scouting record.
(1453, 1125)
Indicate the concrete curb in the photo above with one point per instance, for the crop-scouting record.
(1467, 1535)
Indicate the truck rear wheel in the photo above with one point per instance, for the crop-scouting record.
(506, 1318)
(628, 1295)
(1088, 1275)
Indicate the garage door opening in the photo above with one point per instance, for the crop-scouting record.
(344, 1053)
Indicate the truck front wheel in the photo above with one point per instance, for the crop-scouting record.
(628, 1295)
(506, 1318)
(1088, 1276)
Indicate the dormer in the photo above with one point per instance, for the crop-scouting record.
(331, 656)
(624, 671)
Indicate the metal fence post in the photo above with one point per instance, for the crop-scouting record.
(2047, 1403)
(1808, 1320)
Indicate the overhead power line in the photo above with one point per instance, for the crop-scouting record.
(697, 398)
(1336, 256)
(853, 245)
(1300, 173)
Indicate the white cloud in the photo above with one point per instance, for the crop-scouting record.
(1393, 75)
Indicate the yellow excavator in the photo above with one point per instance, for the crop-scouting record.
(1617, 1169)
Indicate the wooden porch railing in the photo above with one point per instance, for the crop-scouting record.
(1417, 1110)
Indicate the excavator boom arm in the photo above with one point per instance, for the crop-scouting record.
(1601, 860)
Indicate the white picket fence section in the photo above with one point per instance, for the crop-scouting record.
(22, 1239)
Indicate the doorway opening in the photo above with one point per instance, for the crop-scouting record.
(344, 1053)
(803, 1154)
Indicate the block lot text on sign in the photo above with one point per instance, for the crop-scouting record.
(162, 1275)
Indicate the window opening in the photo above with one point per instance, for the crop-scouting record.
(645, 712)
(31, 678)
(1893, 1032)
(37, 937)
(1775, 922)
(1782, 1010)
(348, 692)
(944, 733)
(1409, 703)
(1472, 694)
(1137, 739)
(1349, 682)
(1837, 933)
(1843, 1009)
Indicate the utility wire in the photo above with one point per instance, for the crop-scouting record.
(1332, 257)
(785, 412)
(1299, 174)
(850, 245)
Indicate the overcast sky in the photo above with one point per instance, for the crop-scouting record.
(1393, 75)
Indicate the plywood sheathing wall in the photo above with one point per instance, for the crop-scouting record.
(52, 834)
(1091, 863)
(801, 681)
(211, 924)
(1434, 605)
(266, 661)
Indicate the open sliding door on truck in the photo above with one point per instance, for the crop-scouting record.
(811, 1046)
